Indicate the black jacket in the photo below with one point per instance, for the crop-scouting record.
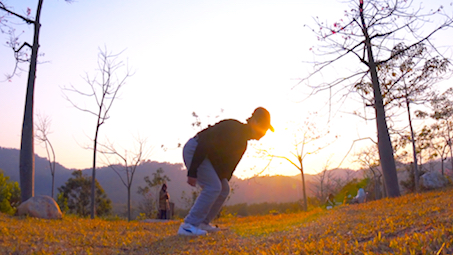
(223, 144)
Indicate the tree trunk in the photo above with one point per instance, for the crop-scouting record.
(384, 143)
(27, 151)
(414, 151)
(376, 188)
(129, 203)
(442, 165)
(376, 184)
(303, 188)
(93, 174)
(53, 170)
(51, 163)
(53, 185)
(450, 144)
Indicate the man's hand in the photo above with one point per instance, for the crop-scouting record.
(192, 181)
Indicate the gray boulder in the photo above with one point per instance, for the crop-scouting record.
(433, 180)
(40, 206)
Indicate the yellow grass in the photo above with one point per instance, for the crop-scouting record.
(412, 224)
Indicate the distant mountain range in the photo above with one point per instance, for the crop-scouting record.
(254, 190)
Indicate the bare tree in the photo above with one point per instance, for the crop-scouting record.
(126, 164)
(442, 112)
(368, 32)
(423, 145)
(305, 139)
(368, 159)
(325, 183)
(319, 187)
(425, 139)
(27, 154)
(104, 91)
(406, 80)
(435, 143)
(27, 150)
(43, 130)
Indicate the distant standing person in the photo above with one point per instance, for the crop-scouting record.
(211, 158)
(164, 202)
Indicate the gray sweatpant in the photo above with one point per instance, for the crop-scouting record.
(213, 193)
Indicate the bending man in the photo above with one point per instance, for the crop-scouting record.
(211, 158)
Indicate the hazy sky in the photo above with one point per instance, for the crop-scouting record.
(187, 56)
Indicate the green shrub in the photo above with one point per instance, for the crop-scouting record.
(9, 194)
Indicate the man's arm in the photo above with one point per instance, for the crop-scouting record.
(198, 157)
(192, 181)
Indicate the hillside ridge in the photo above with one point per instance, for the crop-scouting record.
(279, 189)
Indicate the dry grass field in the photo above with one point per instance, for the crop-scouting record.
(411, 224)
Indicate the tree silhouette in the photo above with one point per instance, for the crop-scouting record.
(125, 164)
(27, 150)
(407, 80)
(442, 112)
(369, 160)
(104, 91)
(368, 33)
(43, 127)
(306, 142)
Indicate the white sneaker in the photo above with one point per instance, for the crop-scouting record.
(208, 227)
(190, 230)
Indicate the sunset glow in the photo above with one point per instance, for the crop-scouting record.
(186, 56)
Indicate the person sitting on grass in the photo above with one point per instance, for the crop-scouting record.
(330, 201)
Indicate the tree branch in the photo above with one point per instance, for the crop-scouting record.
(3, 7)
